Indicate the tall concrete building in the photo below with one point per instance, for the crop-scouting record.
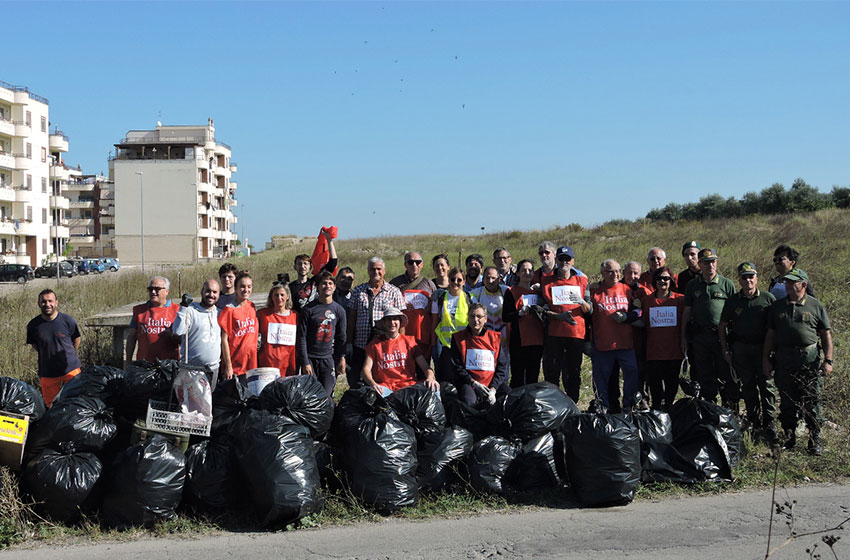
(173, 195)
(32, 211)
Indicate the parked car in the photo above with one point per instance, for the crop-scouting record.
(49, 270)
(20, 273)
(95, 266)
(110, 264)
(80, 265)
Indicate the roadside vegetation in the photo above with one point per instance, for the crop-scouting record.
(820, 237)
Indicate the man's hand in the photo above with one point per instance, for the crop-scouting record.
(226, 373)
(482, 390)
(340, 366)
(186, 300)
(432, 384)
(826, 368)
(566, 317)
(619, 316)
(308, 369)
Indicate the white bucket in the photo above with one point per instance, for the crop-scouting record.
(260, 377)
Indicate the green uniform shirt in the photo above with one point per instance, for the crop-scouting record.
(796, 325)
(747, 316)
(706, 299)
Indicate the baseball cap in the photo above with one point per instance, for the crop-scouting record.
(707, 255)
(797, 274)
(564, 250)
(747, 269)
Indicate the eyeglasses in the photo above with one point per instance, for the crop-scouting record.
(479, 317)
(542, 253)
(155, 288)
(502, 258)
(565, 258)
(414, 261)
(663, 279)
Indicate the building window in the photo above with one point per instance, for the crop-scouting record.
(29, 150)
(44, 124)
(29, 182)
(44, 155)
(44, 246)
(44, 184)
(29, 119)
(44, 215)
(29, 213)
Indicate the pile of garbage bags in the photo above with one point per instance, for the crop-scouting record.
(276, 452)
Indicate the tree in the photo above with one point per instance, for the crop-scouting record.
(841, 196)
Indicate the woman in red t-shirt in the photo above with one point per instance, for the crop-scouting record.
(662, 318)
(277, 331)
(238, 322)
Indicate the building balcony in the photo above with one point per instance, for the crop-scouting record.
(206, 232)
(233, 167)
(82, 238)
(58, 142)
(7, 161)
(7, 194)
(232, 186)
(221, 213)
(59, 202)
(16, 258)
(27, 228)
(81, 204)
(7, 228)
(82, 222)
(205, 187)
(7, 128)
(107, 219)
(22, 129)
(81, 187)
(22, 161)
(23, 194)
(233, 202)
(61, 232)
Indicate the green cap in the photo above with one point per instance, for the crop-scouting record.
(707, 255)
(797, 274)
(746, 269)
(690, 245)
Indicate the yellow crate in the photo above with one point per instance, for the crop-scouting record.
(14, 429)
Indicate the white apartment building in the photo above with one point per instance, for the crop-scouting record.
(91, 215)
(173, 195)
(32, 216)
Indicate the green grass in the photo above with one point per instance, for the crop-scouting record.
(820, 237)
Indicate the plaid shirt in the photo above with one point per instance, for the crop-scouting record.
(389, 296)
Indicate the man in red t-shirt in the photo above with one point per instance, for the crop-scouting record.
(150, 325)
(565, 296)
(391, 358)
(613, 311)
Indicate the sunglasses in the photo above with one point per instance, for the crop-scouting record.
(414, 261)
(565, 258)
(543, 253)
(155, 288)
(456, 280)
(663, 279)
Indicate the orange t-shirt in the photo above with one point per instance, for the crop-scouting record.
(418, 312)
(150, 323)
(608, 334)
(393, 361)
(530, 327)
(662, 319)
(556, 293)
(278, 332)
(240, 325)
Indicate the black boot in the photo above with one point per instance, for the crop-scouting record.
(814, 447)
(790, 439)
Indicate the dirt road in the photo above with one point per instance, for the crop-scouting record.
(724, 527)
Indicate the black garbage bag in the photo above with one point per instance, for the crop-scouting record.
(444, 465)
(705, 450)
(145, 484)
(377, 450)
(20, 397)
(661, 462)
(63, 483)
(602, 455)
(689, 412)
(102, 382)
(83, 421)
(211, 484)
(421, 409)
(301, 398)
(144, 381)
(482, 423)
(654, 426)
(489, 461)
(534, 469)
(535, 409)
(230, 398)
(278, 463)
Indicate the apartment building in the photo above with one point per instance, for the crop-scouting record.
(91, 215)
(32, 213)
(173, 195)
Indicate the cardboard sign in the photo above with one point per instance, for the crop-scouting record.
(666, 316)
(566, 295)
(13, 437)
(416, 300)
(282, 334)
(480, 360)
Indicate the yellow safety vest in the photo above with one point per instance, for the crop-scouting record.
(449, 325)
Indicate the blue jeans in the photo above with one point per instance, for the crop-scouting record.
(603, 366)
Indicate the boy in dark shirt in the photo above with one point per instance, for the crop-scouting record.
(321, 334)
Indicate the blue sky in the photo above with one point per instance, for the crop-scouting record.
(420, 117)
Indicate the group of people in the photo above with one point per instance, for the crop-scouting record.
(481, 325)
